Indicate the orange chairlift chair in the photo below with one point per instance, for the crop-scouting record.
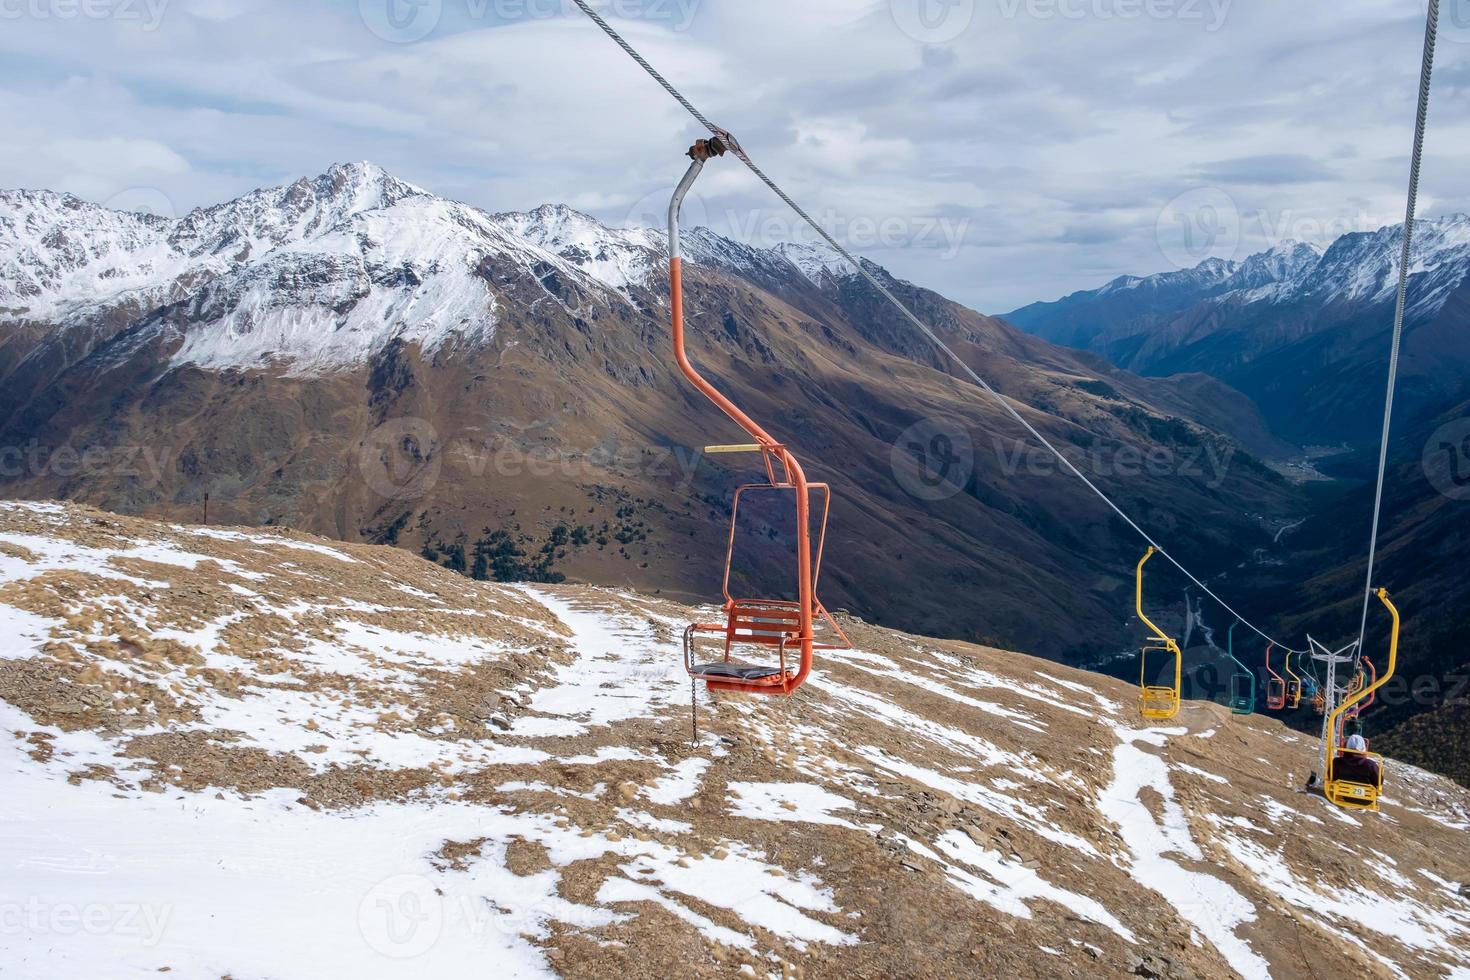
(1359, 793)
(785, 627)
(1293, 685)
(1359, 681)
(1156, 701)
(1363, 678)
(1275, 684)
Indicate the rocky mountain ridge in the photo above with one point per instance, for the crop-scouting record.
(1294, 328)
(352, 355)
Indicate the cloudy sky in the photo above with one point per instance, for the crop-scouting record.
(1001, 151)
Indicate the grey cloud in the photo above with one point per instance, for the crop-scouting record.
(1057, 143)
(1093, 234)
(1276, 168)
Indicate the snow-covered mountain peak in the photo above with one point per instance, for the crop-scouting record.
(557, 225)
(624, 257)
(58, 208)
(363, 179)
(1209, 274)
(1216, 267)
(1358, 266)
(333, 300)
(264, 219)
(1365, 265)
(1119, 284)
(617, 258)
(554, 215)
(62, 258)
(1280, 313)
(1437, 236)
(56, 245)
(320, 272)
(1284, 262)
(816, 260)
(1286, 253)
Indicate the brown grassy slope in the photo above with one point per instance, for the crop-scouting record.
(573, 416)
(1435, 740)
(970, 810)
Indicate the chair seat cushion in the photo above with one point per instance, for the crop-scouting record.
(742, 672)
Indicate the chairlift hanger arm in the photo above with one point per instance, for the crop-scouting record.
(1334, 722)
(785, 625)
(1241, 704)
(700, 152)
(1157, 701)
(1293, 686)
(1159, 634)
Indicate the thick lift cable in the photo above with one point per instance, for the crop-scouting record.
(922, 327)
(1431, 31)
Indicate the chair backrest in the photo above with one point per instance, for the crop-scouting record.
(1242, 693)
(1243, 681)
(768, 625)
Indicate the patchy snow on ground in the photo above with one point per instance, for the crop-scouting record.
(621, 674)
(794, 802)
(238, 752)
(1387, 912)
(1010, 883)
(135, 882)
(1209, 903)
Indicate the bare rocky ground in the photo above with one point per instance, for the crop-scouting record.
(209, 717)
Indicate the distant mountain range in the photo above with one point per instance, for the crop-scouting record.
(1306, 335)
(353, 355)
(1303, 332)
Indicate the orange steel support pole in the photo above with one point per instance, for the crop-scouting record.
(700, 152)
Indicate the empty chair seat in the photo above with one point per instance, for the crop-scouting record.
(739, 672)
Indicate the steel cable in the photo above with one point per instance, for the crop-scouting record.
(923, 328)
(1426, 72)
